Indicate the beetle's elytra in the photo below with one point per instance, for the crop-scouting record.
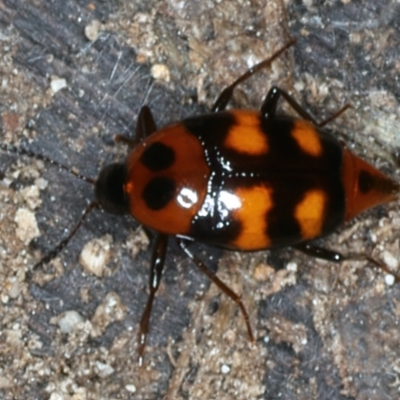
(239, 179)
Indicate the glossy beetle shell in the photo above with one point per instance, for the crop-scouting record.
(236, 180)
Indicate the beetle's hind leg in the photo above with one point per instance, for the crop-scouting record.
(330, 255)
(222, 286)
(268, 108)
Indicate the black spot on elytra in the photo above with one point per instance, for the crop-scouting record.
(158, 193)
(365, 181)
(158, 157)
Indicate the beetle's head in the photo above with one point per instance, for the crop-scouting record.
(109, 189)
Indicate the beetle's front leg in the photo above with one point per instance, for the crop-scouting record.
(145, 126)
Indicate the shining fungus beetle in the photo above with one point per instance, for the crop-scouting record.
(240, 180)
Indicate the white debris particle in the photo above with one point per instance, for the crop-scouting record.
(137, 241)
(389, 279)
(110, 310)
(31, 196)
(291, 266)
(142, 18)
(5, 383)
(104, 370)
(225, 369)
(95, 255)
(41, 183)
(390, 260)
(57, 84)
(14, 287)
(6, 182)
(299, 86)
(16, 174)
(130, 388)
(68, 321)
(92, 30)
(13, 338)
(262, 272)
(27, 228)
(57, 396)
(160, 72)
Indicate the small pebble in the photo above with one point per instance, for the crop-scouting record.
(92, 30)
(69, 320)
(130, 388)
(225, 369)
(95, 255)
(27, 228)
(160, 72)
(57, 84)
(389, 279)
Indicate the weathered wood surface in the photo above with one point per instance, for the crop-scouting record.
(331, 332)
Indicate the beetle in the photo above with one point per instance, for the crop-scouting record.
(237, 179)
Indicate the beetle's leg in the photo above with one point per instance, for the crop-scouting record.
(222, 286)
(223, 99)
(145, 126)
(320, 252)
(268, 108)
(337, 114)
(156, 269)
(330, 255)
(383, 267)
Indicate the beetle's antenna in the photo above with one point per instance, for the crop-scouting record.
(57, 249)
(9, 148)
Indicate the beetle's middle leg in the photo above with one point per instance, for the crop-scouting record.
(222, 286)
(156, 269)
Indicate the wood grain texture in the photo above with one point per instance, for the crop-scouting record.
(324, 332)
